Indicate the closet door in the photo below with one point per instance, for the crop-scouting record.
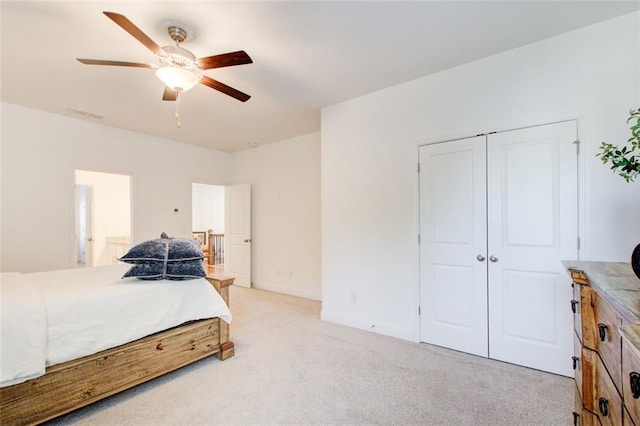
(453, 274)
(532, 226)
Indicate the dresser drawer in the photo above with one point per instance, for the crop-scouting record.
(589, 419)
(582, 417)
(631, 373)
(608, 403)
(589, 378)
(608, 324)
(627, 419)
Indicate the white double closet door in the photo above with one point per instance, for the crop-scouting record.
(498, 213)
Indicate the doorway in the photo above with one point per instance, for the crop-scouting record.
(103, 217)
(208, 221)
(223, 215)
(498, 213)
(207, 213)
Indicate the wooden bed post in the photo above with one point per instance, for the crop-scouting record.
(221, 283)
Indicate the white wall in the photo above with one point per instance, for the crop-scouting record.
(111, 210)
(369, 155)
(208, 208)
(285, 191)
(40, 151)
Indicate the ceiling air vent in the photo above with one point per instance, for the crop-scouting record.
(85, 114)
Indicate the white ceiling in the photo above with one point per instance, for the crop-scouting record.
(307, 55)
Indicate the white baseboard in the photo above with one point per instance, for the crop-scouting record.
(292, 291)
(363, 324)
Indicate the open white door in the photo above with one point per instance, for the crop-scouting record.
(237, 230)
(84, 226)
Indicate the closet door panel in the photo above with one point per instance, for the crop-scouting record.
(453, 290)
(532, 217)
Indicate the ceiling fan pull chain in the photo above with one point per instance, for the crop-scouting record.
(178, 125)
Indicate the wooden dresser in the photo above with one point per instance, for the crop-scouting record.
(606, 306)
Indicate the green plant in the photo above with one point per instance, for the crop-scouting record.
(626, 160)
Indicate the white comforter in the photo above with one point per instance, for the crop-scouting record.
(22, 330)
(92, 309)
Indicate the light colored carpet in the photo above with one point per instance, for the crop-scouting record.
(292, 368)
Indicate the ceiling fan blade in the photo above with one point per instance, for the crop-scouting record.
(130, 27)
(115, 63)
(221, 87)
(225, 60)
(169, 94)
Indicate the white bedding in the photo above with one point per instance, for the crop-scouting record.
(22, 330)
(92, 309)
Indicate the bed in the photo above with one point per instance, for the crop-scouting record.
(72, 337)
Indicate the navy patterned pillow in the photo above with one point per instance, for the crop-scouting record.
(185, 270)
(146, 271)
(164, 249)
(184, 249)
(147, 251)
(170, 258)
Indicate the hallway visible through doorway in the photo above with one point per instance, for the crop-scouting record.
(103, 217)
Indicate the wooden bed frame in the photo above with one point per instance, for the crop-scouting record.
(80, 382)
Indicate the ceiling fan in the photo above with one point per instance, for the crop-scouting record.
(179, 69)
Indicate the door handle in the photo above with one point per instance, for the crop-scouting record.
(493, 258)
(634, 379)
(248, 240)
(480, 258)
(603, 406)
(89, 239)
(602, 332)
(574, 303)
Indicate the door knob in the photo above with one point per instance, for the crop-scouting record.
(602, 332)
(89, 239)
(634, 379)
(493, 258)
(480, 258)
(603, 405)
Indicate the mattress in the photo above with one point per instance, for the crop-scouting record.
(93, 309)
(22, 330)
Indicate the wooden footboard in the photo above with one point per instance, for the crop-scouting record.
(80, 382)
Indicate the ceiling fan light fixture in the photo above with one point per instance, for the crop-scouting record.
(178, 79)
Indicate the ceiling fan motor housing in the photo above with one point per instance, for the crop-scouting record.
(177, 56)
(177, 34)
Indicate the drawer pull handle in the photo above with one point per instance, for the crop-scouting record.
(602, 331)
(573, 306)
(634, 379)
(603, 405)
(575, 419)
(575, 362)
